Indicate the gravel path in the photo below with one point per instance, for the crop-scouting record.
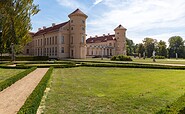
(13, 97)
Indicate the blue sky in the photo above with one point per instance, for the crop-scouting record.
(158, 19)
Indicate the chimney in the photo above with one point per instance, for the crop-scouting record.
(44, 27)
(90, 36)
(108, 34)
(39, 29)
(53, 24)
(104, 35)
(96, 36)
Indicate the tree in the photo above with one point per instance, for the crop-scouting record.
(150, 45)
(130, 46)
(16, 21)
(176, 45)
(140, 49)
(161, 48)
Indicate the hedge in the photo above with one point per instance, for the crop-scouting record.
(8, 82)
(159, 57)
(25, 58)
(121, 58)
(133, 65)
(33, 101)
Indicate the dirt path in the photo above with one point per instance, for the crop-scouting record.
(13, 97)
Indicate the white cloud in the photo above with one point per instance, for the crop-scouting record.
(139, 16)
(97, 2)
(71, 4)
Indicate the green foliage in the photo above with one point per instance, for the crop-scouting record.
(149, 44)
(25, 58)
(16, 21)
(133, 65)
(176, 45)
(121, 58)
(8, 82)
(159, 57)
(140, 49)
(33, 101)
(130, 47)
(162, 48)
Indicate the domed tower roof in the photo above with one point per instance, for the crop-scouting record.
(77, 12)
(120, 27)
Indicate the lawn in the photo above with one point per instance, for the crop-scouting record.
(6, 73)
(113, 90)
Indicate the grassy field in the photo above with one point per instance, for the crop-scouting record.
(6, 73)
(113, 90)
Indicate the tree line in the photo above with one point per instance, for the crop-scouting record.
(175, 49)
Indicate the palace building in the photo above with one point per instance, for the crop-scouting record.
(68, 40)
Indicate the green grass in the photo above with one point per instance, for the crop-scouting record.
(7, 73)
(113, 90)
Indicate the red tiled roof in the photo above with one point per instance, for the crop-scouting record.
(49, 29)
(100, 39)
(78, 12)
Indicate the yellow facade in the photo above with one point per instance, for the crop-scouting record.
(68, 40)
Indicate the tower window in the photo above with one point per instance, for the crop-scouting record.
(83, 21)
(71, 21)
(83, 28)
(83, 39)
(71, 28)
(117, 32)
(71, 39)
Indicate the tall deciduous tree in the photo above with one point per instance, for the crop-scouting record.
(16, 21)
(162, 48)
(140, 49)
(176, 45)
(150, 45)
(130, 46)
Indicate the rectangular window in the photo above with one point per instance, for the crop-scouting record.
(83, 21)
(62, 50)
(50, 40)
(71, 28)
(41, 42)
(55, 51)
(55, 39)
(62, 40)
(83, 28)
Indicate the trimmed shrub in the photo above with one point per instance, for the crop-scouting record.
(25, 58)
(134, 65)
(121, 58)
(8, 82)
(159, 57)
(33, 101)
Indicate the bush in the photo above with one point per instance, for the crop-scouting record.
(121, 58)
(134, 65)
(159, 57)
(33, 101)
(8, 82)
(25, 58)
